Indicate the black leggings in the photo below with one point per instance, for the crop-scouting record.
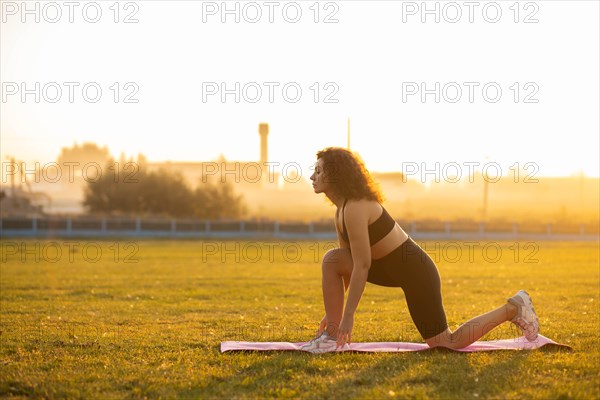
(411, 268)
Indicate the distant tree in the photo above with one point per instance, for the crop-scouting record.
(165, 193)
(86, 153)
(215, 201)
(116, 190)
(127, 187)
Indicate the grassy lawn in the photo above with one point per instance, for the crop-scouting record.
(144, 319)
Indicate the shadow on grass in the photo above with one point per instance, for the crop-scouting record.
(260, 374)
(436, 372)
(432, 373)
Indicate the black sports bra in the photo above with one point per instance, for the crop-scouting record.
(377, 230)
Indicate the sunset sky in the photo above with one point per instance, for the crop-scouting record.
(370, 58)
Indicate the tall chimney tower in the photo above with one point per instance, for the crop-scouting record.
(263, 131)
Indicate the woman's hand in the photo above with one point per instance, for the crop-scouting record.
(345, 330)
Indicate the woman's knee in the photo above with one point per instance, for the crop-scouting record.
(447, 339)
(443, 339)
(337, 259)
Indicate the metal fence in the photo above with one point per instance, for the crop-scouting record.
(94, 227)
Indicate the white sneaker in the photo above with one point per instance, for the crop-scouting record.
(321, 344)
(526, 318)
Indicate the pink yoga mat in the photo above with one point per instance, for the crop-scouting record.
(393, 347)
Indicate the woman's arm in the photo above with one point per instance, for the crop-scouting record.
(356, 219)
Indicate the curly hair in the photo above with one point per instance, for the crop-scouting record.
(347, 174)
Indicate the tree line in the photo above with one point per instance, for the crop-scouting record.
(127, 187)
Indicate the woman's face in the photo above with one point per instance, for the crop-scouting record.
(319, 182)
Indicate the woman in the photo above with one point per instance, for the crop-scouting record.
(374, 248)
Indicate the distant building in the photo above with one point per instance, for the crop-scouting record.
(17, 202)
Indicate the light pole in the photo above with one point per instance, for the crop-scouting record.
(484, 209)
(348, 138)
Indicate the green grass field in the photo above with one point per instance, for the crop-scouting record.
(144, 319)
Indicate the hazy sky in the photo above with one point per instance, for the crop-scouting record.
(375, 61)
